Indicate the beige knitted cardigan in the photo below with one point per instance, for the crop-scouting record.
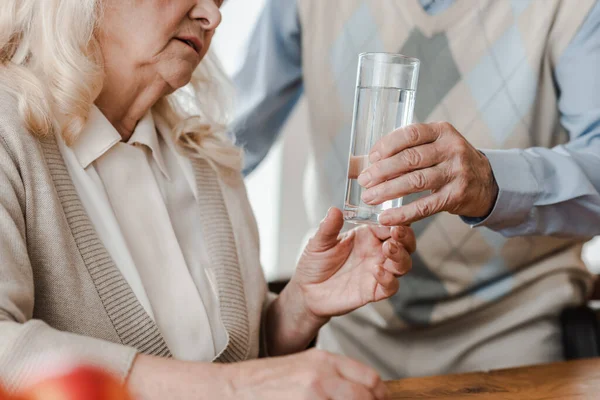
(60, 291)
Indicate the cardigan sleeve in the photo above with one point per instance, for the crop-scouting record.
(24, 341)
(264, 341)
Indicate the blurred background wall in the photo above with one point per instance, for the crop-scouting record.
(275, 187)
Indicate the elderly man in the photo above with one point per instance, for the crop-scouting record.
(518, 157)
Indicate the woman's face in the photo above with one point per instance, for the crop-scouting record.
(157, 39)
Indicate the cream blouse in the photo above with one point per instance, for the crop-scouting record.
(142, 200)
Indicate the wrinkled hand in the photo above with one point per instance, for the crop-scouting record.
(311, 375)
(339, 273)
(432, 157)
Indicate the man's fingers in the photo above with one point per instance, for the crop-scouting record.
(411, 159)
(415, 211)
(356, 164)
(403, 138)
(414, 182)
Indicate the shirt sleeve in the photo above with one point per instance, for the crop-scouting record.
(269, 82)
(556, 191)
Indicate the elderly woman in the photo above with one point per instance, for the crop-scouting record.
(126, 236)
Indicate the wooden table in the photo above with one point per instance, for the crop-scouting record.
(574, 380)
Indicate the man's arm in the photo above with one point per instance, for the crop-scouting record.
(269, 82)
(556, 191)
(536, 191)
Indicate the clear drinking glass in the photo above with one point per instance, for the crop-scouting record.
(384, 101)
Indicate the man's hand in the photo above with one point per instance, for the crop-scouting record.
(432, 157)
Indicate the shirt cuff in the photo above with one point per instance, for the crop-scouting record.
(517, 190)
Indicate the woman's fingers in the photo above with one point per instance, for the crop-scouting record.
(340, 389)
(381, 391)
(398, 269)
(397, 247)
(387, 283)
(381, 232)
(327, 235)
(395, 251)
(398, 260)
(360, 374)
(405, 236)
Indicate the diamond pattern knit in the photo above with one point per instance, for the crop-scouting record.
(487, 69)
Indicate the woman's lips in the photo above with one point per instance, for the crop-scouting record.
(191, 41)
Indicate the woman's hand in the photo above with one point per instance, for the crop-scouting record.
(340, 273)
(432, 157)
(335, 275)
(311, 375)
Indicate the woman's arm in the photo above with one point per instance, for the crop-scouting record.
(159, 378)
(289, 326)
(313, 375)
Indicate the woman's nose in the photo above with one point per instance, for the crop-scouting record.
(207, 12)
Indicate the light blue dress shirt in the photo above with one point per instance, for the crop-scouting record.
(541, 191)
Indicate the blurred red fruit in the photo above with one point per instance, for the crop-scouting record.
(3, 394)
(83, 383)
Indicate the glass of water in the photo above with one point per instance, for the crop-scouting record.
(384, 101)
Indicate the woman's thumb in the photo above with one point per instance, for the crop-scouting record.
(327, 235)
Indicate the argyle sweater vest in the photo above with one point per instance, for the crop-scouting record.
(487, 68)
